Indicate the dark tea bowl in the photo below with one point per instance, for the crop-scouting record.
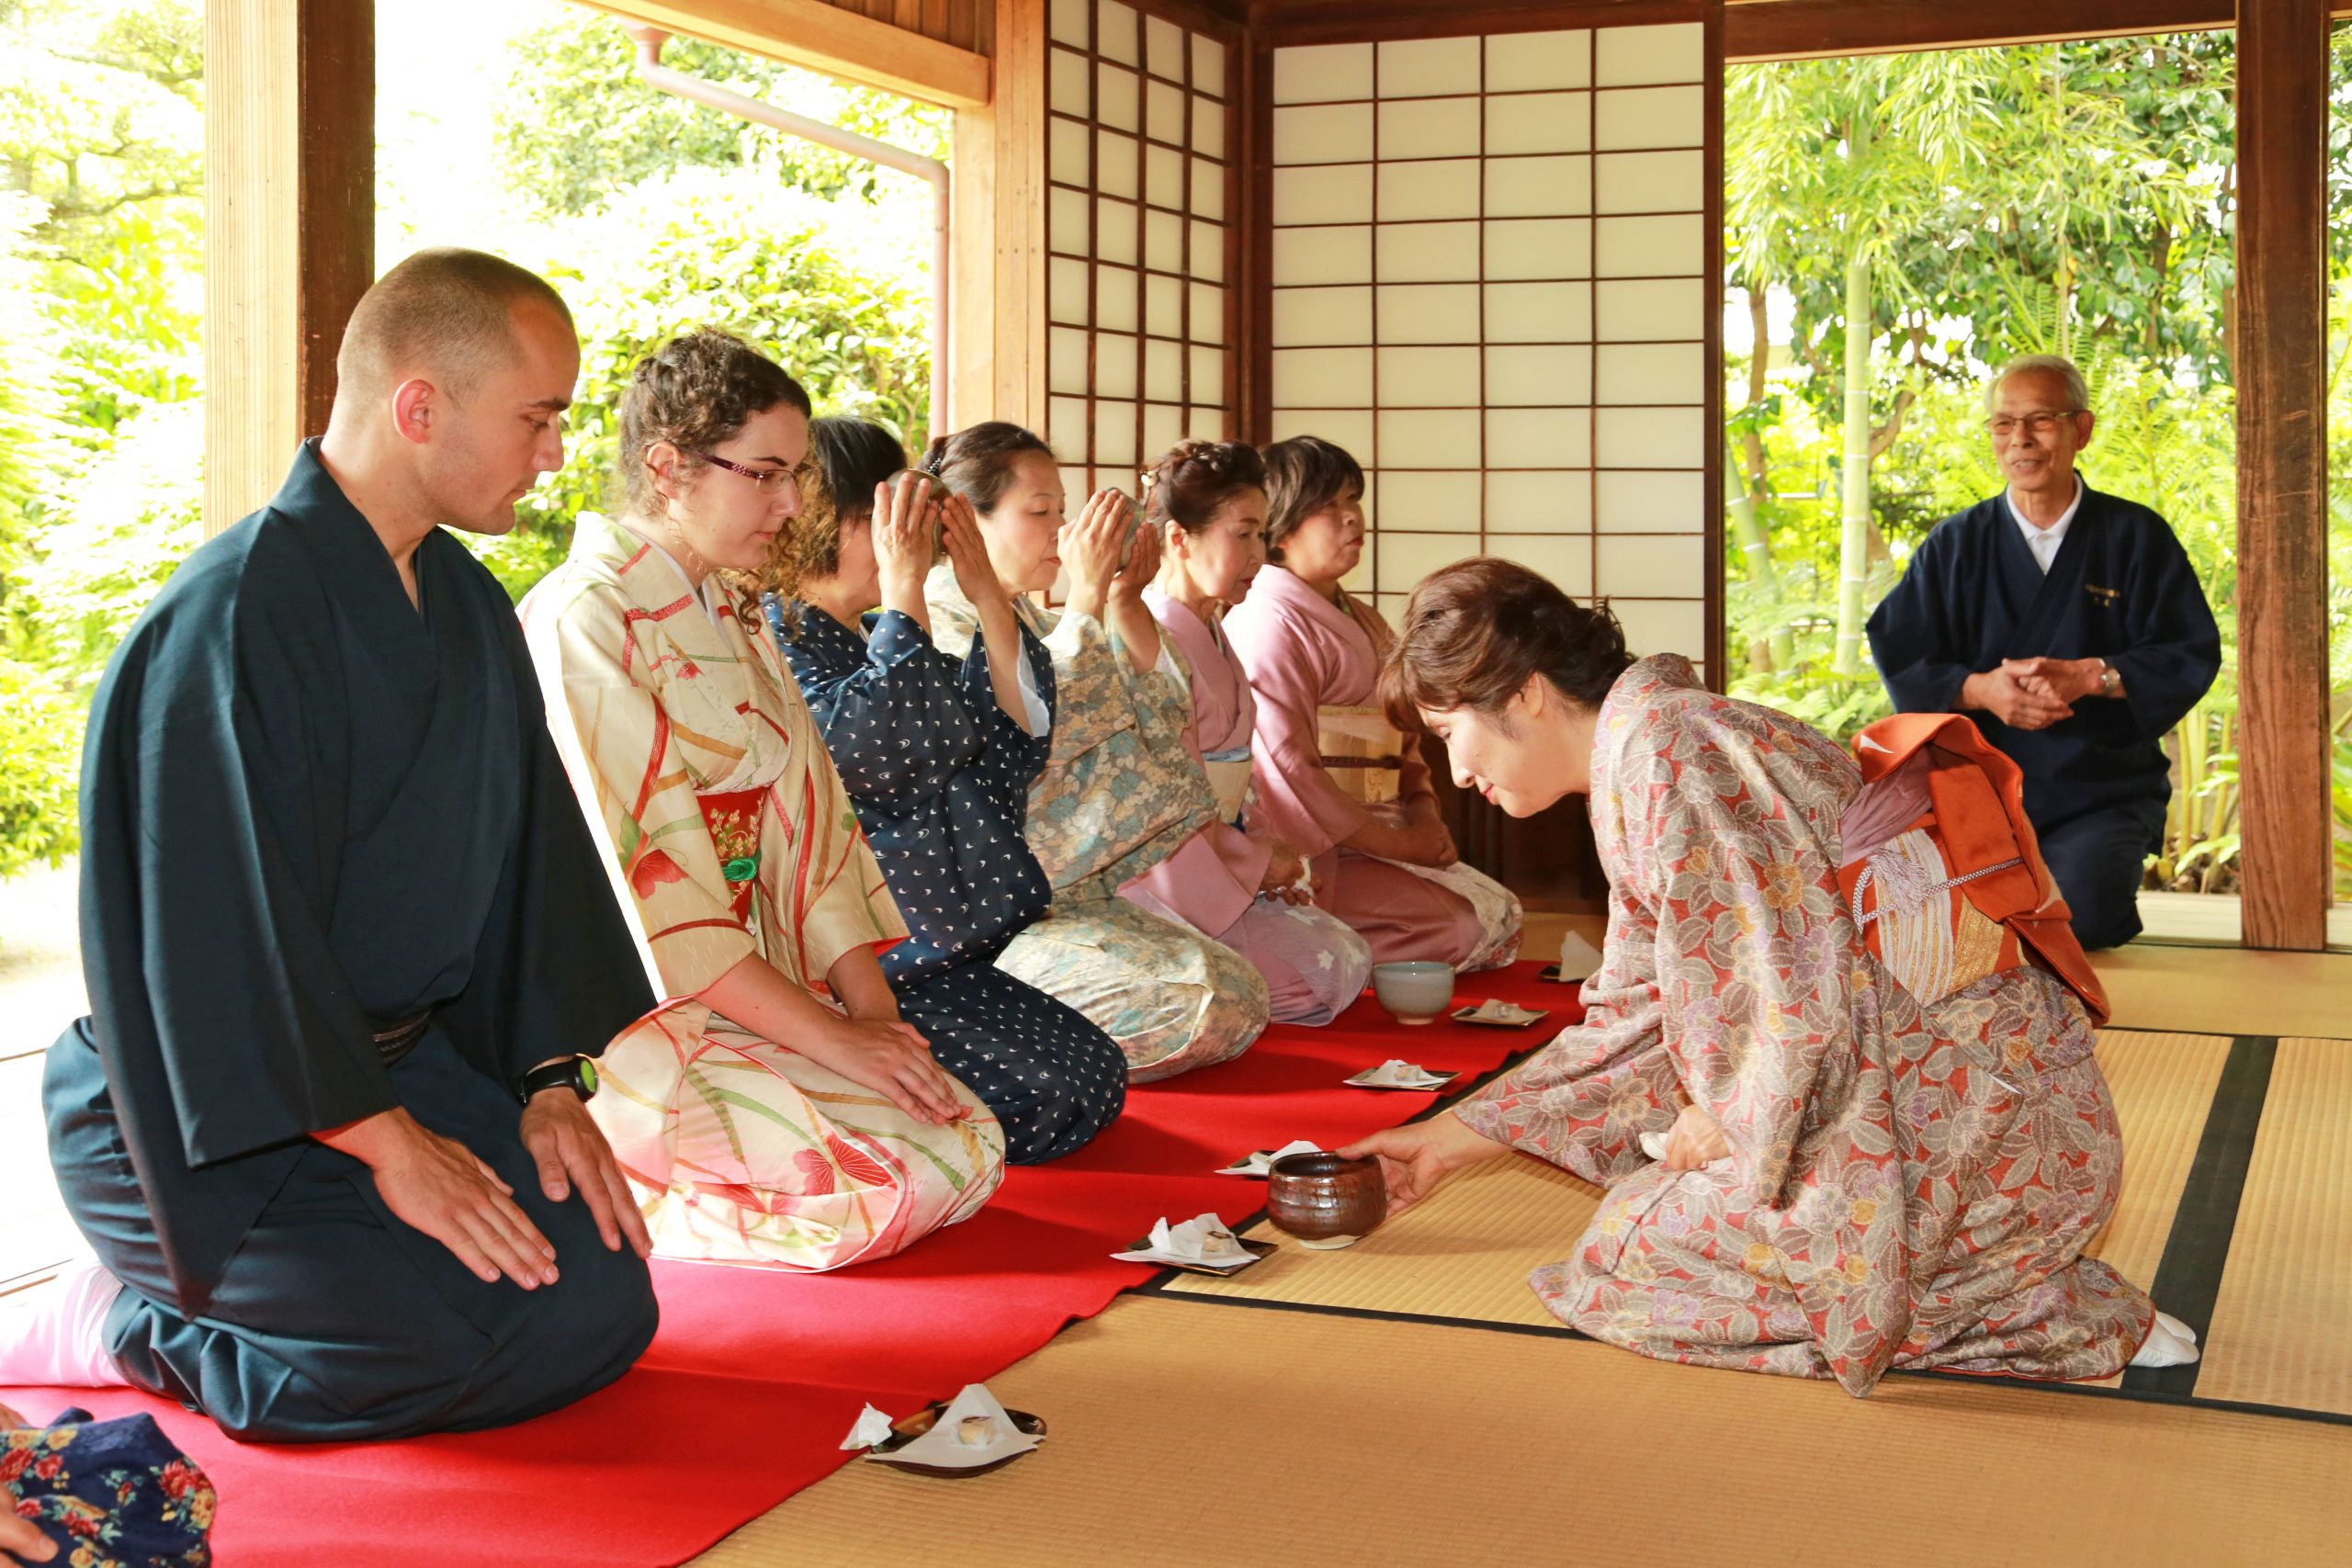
(1326, 1200)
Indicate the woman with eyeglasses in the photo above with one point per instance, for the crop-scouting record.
(775, 1109)
(1119, 792)
(938, 754)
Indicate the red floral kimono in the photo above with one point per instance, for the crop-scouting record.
(1912, 1183)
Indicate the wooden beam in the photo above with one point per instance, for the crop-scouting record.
(2281, 345)
(823, 38)
(1282, 23)
(997, 336)
(1717, 649)
(1806, 29)
(289, 192)
(1253, 355)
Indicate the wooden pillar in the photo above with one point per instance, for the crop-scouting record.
(998, 333)
(289, 195)
(2283, 810)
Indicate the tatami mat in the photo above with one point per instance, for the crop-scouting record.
(1191, 1432)
(2162, 1086)
(2282, 1322)
(1465, 1252)
(2218, 990)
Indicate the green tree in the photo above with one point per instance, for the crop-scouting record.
(577, 125)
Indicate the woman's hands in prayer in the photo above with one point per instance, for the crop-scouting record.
(570, 1151)
(1283, 868)
(438, 1186)
(1415, 1157)
(905, 528)
(1127, 614)
(968, 552)
(21, 1538)
(1094, 547)
(1696, 1139)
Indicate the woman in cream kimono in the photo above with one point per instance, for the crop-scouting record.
(761, 907)
(1120, 793)
(1381, 859)
(1208, 504)
(1836, 1070)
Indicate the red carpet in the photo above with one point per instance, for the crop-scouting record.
(756, 1376)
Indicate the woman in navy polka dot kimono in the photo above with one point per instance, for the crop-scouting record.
(938, 754)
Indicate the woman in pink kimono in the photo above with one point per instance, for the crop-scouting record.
(774, 1109)
(1836, 1069)
(1380, 858)
(1244, 887)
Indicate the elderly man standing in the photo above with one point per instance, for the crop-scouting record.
(2069, 625)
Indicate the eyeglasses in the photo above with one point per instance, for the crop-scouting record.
(769, 482)
(2003, 427)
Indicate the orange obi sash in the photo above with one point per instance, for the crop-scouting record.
(733, 818)
(1946, 882)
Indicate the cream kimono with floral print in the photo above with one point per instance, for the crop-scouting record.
(693, 754)
(1911, 1184)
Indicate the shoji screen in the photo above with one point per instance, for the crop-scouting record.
(1490, 282)
(1139, 199)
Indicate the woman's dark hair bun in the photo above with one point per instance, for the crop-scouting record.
(1196, 477)
(1474, 631)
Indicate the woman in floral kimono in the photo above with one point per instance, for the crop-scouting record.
(1120, 793)
(1836, 1068)
(774, 1109)
(938, 755)
(1332, 777)
(1208, 504)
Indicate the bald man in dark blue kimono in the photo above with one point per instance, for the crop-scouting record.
(348, 940)
(2070, 626)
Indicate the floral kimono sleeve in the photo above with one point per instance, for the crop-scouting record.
(1584, 1100)
(619, 738)
(820, 870)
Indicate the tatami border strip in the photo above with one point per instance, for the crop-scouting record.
(2197, 1248)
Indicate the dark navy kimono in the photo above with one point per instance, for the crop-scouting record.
(940, 778)
(2120, 588)
(311, 811)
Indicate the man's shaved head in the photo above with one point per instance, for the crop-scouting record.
(446, 314)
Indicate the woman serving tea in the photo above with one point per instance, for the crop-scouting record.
(1840, 1000)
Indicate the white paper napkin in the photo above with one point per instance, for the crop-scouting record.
(872, 1427)
(940, 1447)
(1396, 1073)
(1181, 1244)
(1578, 957)
(1261, 1162)
(1494, 1010)
(1654, 1146)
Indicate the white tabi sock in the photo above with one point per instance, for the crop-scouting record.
(2170, 1343)
(55, 1335)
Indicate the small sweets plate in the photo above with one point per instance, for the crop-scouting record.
(1204, 1244)
(1260, 1163)
(1494, 1013)
(1394, 1073)
(1003, 1448)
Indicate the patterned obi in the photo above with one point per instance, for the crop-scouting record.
(1360, 749)
(1939, 867)
(1229, 773)
(733, 818)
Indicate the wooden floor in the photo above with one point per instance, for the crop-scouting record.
(1407, 1401)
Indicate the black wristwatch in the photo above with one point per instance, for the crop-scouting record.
(578, 1075)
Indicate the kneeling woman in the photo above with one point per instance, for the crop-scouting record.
(1236, 882)
(763, 1123)
(938, 755)
(1836, 1069)
(1119, 792)
(1382, 859)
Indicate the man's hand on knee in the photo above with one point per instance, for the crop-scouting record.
(438, 1186)
(571, 1151)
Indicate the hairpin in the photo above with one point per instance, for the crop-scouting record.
(1147, 479)
(932, 464)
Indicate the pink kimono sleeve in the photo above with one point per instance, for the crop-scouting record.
(1297, 798)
